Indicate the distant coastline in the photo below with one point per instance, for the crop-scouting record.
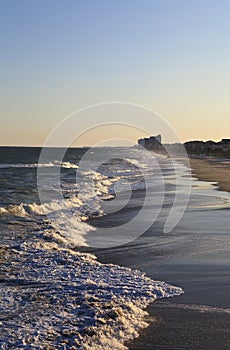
(209, 148)
(195, 148)
(209, 160)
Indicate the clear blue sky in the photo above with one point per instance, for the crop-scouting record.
(172, 56)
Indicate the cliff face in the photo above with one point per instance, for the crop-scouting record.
(151, 143)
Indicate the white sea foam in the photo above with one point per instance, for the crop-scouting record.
(68, 299)
(67, 165)
(54, 297)
(70, 214)
(199, 308)
(73, 227)
(80, 201)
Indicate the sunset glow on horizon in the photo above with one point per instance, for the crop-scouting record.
(169, 56)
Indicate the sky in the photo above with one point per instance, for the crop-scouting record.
(170, 56)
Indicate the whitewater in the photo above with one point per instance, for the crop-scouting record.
(53, 294)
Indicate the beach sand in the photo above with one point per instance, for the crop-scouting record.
(182, 322)
(212, 170)
(174, 327)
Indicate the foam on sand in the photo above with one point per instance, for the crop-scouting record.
(55, 297)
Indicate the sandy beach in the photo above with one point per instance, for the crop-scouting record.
(178, 327)
(193, 255)
(196, 265)
(213, 170)
(109, 240)
(174, 326)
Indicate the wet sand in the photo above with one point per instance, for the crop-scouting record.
(174, 327)
(213, 170)
(176, 323)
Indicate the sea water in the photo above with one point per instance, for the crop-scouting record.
(53, 295)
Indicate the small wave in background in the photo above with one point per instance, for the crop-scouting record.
(53, 295)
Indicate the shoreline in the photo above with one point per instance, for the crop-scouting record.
(181, 326)
(212, 170)
(177, 327)
(176, 324)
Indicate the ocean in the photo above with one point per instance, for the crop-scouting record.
(54, 295)
(123, 205)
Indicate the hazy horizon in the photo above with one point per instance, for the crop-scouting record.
(107, 145)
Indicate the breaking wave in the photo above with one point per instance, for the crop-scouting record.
(52, 294)
(57, 297)
(66, 165)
